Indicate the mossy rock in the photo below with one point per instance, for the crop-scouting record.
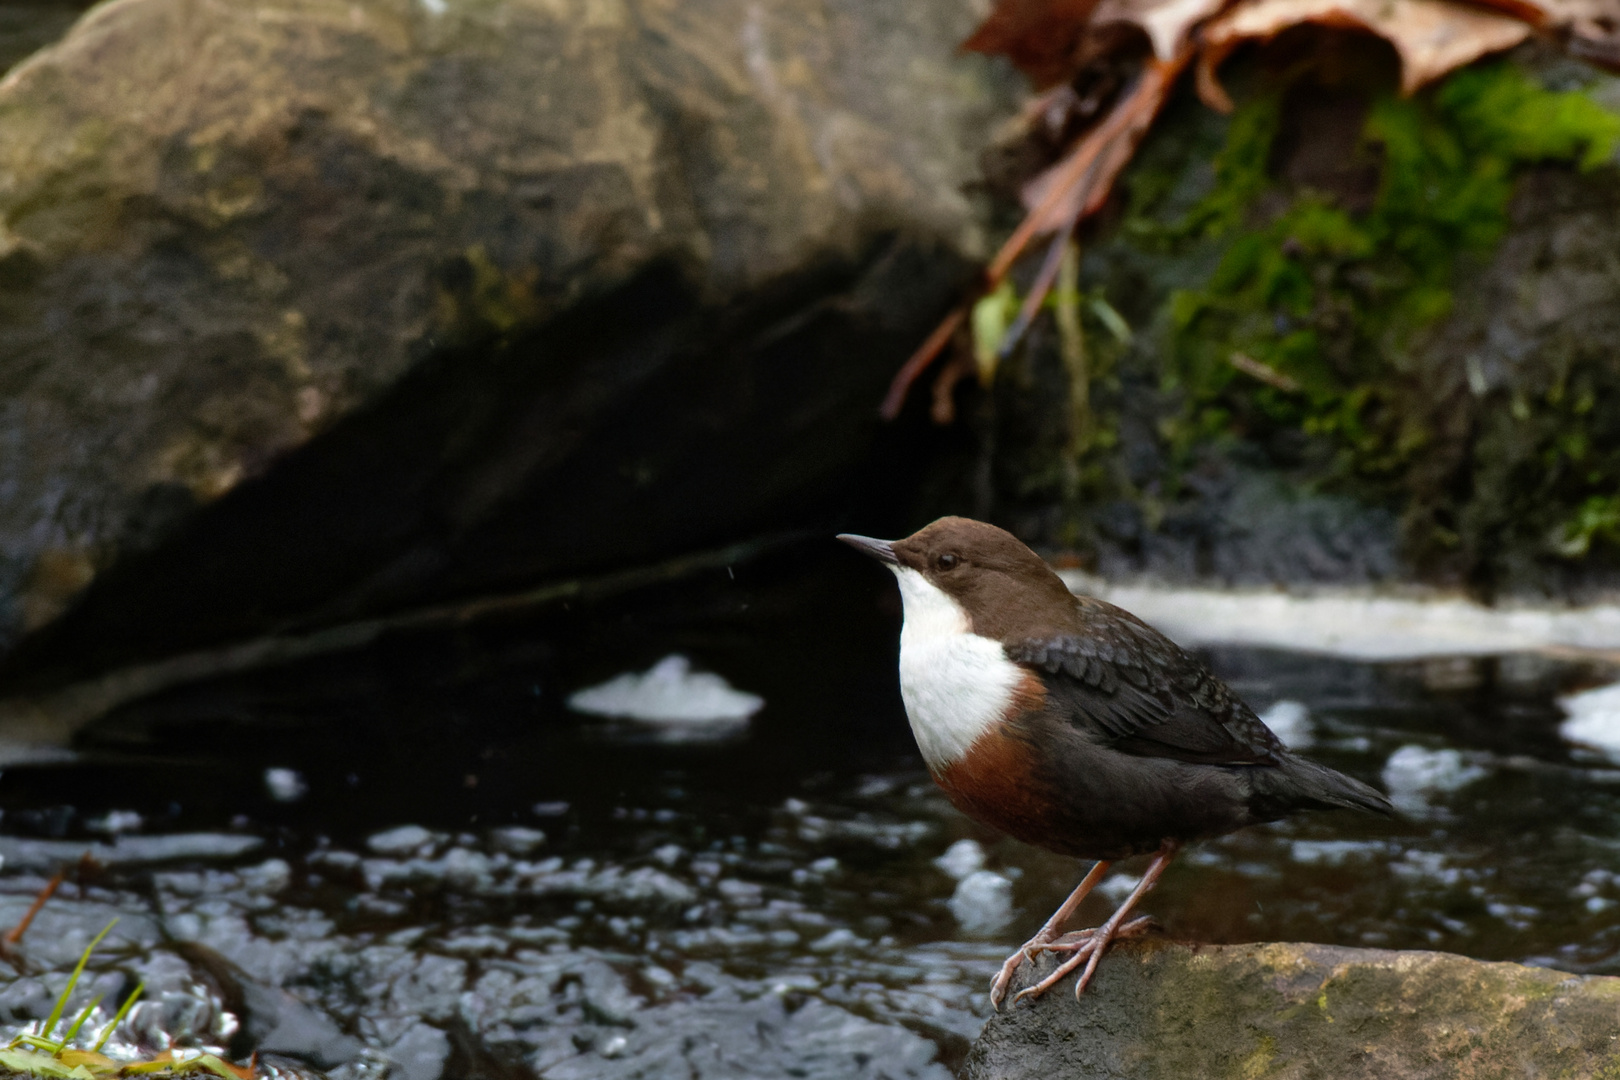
(1399, 312)
(1306, 1012)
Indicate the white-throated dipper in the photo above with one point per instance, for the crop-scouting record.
(1071, 724)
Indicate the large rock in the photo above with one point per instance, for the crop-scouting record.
(27, 27)
(231, 227)
(1175, 1011)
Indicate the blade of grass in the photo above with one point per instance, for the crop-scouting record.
(67, 1036)
(163, 1062)
(123, 1011)
(1111, 318)
(61, 1002)
(1072, 346)
(221, 1068)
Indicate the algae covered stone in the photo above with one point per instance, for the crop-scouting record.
(1160, 1009)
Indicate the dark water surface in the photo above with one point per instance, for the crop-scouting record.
(765, 906)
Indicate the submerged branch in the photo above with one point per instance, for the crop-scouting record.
(41, 725)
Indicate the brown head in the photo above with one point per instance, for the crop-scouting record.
(1006, 590)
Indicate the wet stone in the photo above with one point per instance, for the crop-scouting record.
(20, 853)
(1159, 1009)
(419, 1053)
(517, 840)
(523, 148)
(59, 933)
(757, 1038)
(405, 840)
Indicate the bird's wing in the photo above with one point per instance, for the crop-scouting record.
(1125, 684)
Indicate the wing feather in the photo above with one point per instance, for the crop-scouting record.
(1126, 684)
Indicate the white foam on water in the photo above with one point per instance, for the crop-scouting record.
(669, 692)
(517, 839)
(1290, 721)
(982, 902)
(1430, 866)
(1117, 887)
(961, 859)
(17, 752)
(1359, 624)
(404, 840)
(1413, 775)
(115, 822)
(1332, 852)
(1594, 720)
(285, 785)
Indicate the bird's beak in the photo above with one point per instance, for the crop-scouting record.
(881, 550)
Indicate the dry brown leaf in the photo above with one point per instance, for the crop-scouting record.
(91, 1060)
(1075, 186)
(1040, 36)
(1087, 172)
(1431, 36)
(1045, 38)
(1080, 181)
(1167, 23)
(1050, 40)
(1591, 26)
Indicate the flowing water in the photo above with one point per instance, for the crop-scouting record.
(454, 875)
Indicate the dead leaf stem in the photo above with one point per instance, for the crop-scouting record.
(1076, 186)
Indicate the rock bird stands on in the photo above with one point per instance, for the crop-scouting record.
(1071, 724)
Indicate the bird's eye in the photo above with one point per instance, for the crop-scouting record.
(947, 562)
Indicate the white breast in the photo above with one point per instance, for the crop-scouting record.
(955, 683)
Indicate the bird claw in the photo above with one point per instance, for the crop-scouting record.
(1087, 946)
(1027, 952)
(998, 985)
(1082, 951)
(1009, 967)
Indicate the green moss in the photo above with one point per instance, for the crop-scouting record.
(1258, 1064)
(482, 299)
(1331, 300)
(1240, 175)
(1596, 518)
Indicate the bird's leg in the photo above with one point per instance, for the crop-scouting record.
(1081, 939)
(1092, 948)
(1045, 935)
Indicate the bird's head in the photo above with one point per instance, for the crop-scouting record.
(972, 571)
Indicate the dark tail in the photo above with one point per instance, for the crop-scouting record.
(1304, 785)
